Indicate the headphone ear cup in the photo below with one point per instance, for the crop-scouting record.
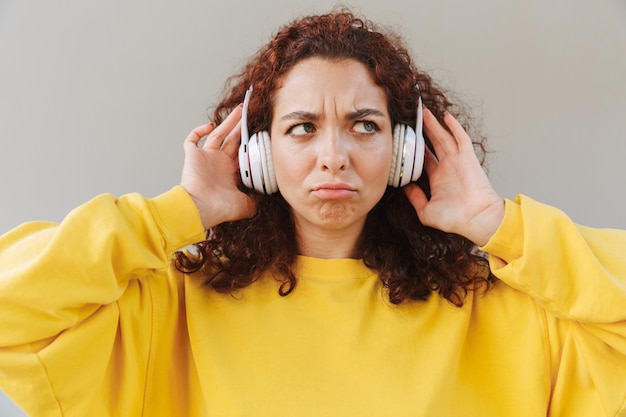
(396, 156)
(256, 166)
(408, 151)
(269, 176)
(420, 148)
(408, 157)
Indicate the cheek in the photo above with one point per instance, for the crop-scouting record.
(288, 164)
(375, 167)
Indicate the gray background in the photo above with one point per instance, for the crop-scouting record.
(97, 96)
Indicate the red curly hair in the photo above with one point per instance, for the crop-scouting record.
(412, 260)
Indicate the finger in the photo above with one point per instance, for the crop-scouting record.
(430, 161)
(214, 141)
(198, 133)
(417, 196)
(461, 136)
(230, 145)
(443, 142)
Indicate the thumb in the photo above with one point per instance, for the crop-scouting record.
(417, 197)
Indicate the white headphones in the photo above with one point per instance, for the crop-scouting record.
(257, 168)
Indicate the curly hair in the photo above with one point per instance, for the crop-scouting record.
(411, 259)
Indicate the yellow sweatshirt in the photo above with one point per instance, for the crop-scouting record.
(94, 321)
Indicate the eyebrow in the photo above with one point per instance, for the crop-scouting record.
(300, 115)
(305, 115)
(359, 114)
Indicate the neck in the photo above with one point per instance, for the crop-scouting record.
(328, 244)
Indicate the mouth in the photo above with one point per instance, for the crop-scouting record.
(333, 191)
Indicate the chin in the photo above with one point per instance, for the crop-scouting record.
(337, 216)
(334, 213)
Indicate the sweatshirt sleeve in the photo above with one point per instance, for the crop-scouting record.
(578, 276)
(55, 276)
(574, 272)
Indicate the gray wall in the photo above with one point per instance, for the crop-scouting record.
(97, 96)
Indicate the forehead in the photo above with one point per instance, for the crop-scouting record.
(319, 81)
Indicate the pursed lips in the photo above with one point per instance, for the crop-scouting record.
(333, 191)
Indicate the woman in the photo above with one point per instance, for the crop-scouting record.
(338, 295)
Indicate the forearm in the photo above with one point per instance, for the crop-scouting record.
(53, 276)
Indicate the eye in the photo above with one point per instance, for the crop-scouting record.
(365, 127)
(301, 129)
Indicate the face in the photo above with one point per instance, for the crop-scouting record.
(331, 141)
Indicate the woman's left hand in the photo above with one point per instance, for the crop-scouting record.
(462, 200)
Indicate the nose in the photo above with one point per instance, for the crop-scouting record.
(333, 151)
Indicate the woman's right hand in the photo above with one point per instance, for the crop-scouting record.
(210, 172)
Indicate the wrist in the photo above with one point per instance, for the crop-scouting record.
(485, 224)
